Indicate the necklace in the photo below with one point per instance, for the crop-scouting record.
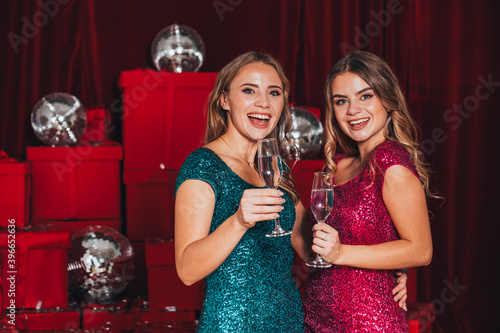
(249, 163)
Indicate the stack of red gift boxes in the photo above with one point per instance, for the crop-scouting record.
(74, 187)
(164, 119)
(34, 276)
(59, 190)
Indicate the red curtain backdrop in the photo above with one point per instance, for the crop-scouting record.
(445, 54)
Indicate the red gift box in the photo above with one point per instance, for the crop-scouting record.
(36, 273)
(149, 203)
(176, 326)
(420, 317)
(163, 116)
(303, 173)
(98, 126)
(303, 170)
(165, 288)
(164, 316)
(48, 319)
(14, 177)
(411, 285)
(165, 321)
(138, 287)
(80, 182)
(76, 225)
(312, 109)
(114, 319)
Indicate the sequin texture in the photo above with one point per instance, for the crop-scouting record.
(253, 290)
(349, 299)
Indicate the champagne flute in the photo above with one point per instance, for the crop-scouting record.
(321, 205)
(270, 170)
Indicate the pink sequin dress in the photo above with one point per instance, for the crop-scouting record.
(350, 299)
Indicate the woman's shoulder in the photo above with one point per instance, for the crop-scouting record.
(202, 164)
(202, 161)
(390, 153)
(391, 150)
(201, 156)
(201, 152)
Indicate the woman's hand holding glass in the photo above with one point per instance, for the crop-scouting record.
(326, 243)
(321, 205)
(259, 205)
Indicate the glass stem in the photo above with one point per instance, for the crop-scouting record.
(318, 256)
(276, 223)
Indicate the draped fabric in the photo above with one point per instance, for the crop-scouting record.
(445, 54)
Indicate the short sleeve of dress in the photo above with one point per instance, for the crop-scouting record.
(202, 164)
(391, 153)
(338, 157)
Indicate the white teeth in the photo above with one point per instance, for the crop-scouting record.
(355, 122)
(259, 116)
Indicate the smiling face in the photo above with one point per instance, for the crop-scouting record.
(254, 101)
(359, 113)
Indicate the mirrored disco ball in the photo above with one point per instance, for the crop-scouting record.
(101, 264)
(178, 48)
(307, 135)
(58, 119)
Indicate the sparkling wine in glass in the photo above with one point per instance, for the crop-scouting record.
(270, 170)
(321, 205)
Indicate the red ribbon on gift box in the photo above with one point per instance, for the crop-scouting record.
(12, 165)
(97, 128)
(6, 327)
(97, 114)
(5, 158)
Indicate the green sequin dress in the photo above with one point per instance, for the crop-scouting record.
(253, 289)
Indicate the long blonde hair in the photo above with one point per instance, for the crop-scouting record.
(400, 128)
(217, 116)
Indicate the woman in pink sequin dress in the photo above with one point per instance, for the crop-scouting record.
(379, 222)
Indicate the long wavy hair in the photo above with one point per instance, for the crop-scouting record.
(400, 126)
(217, 116)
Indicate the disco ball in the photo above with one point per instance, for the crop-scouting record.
(306, 135)
(178, 48)
(101, 264)
(58, 119)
